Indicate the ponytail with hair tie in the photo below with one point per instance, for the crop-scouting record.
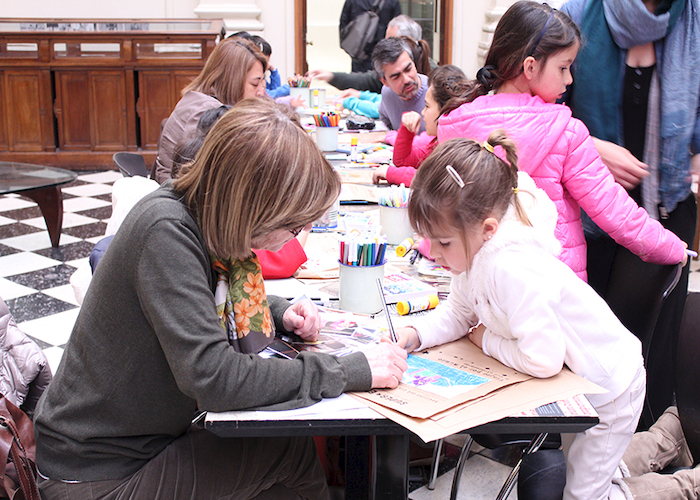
(485, 76)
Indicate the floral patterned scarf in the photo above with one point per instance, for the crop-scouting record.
(241, 303)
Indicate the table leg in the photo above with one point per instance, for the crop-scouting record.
(391, 467)
(357, 467)
(50, 202)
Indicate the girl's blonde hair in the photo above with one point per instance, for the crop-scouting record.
(257, 172)
(224, 74)
(439, 203)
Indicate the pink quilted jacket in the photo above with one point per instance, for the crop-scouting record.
(558, 153)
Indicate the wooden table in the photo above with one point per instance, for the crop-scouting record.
(41, 184)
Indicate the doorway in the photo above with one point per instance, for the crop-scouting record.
(317, 44)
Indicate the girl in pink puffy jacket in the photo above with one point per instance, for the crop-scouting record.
(527, 70)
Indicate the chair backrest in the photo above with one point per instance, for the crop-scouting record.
(130, 164)
(637, 290)
(688, 374)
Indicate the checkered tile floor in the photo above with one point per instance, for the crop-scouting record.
(34, 277)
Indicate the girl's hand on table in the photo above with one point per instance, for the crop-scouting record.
(387, 363)
(302, 318)
(379, 174)
(407, 338)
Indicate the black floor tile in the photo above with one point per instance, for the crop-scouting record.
(17, 229)
(72, 251)
(23, 213)
(42, 279)
(103, 197)
(5, 250)
(101, 213)
(36, 305)
(87, 230)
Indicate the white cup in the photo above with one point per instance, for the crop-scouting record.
(358, 288)
(302, 92)
(327, 138)
(395, 224)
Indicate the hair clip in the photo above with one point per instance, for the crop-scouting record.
(488, 147)
(516, 190)
(453, 173)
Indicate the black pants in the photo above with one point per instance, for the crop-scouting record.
(660, 361)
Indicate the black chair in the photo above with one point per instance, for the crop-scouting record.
(130, 164)
(635, 293)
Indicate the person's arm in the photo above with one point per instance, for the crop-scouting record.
(364, 105)
(450, 320)
(369, 80)
(400, 175)
(592, 185)
(275, 80)
(537, 346)
(410, 150)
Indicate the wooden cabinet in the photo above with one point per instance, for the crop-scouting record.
(74, 92)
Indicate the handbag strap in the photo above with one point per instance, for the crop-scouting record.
(17, 444)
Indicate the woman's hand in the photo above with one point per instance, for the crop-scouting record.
(302, 318)
(412, 121)
(406, 337)
(379, 174)
(627, 170)
(476, 335)
(387, 362)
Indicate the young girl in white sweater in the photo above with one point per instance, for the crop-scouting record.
(494, 229)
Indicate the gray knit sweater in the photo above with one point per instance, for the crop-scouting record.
(147, 350)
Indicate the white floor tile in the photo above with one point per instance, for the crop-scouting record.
(54, 356)
(36, 241)
(54, 329)
(83, 203)
(6, 220)
(88, 190)
(10, 290)
(94, 239)
(107, 176)
(482, 478)
(24, 262)
(8, 203)
(69, 220)
(78, 262)
(64, 293)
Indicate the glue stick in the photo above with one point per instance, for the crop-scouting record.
(314, 102)
(353, 149)
(404, 247)
(405, 307)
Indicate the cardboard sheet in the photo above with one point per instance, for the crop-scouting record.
(445, 376)
(502, 403)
